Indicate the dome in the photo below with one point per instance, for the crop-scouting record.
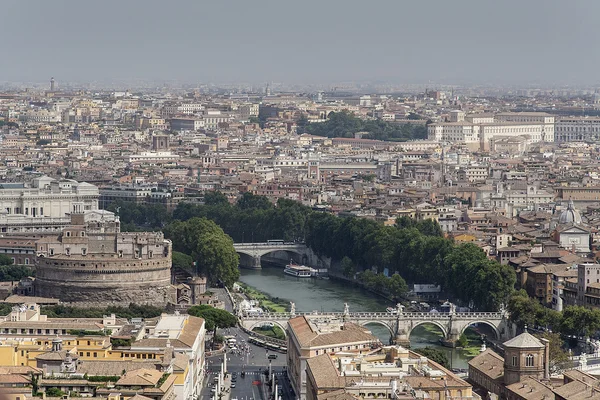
(570, 215)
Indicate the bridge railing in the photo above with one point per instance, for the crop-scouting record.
(237, 245)
(377, 315)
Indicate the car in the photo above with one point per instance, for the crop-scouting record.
(272, 356)
(232, 385)
(233, 378)
(243, 374)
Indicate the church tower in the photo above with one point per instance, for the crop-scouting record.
(525, 356)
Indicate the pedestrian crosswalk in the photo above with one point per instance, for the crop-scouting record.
(252, 373)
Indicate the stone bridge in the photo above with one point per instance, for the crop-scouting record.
(301, 253)
(399, 324)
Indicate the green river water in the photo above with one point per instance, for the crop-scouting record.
(330, 295)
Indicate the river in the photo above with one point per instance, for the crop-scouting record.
(330, 295)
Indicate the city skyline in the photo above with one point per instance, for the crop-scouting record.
(467, 42)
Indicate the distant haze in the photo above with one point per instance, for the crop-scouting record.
(302, 41)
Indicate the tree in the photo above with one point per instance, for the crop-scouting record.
(434, 355)
(522, 309)
(347, 266)
(215, 198)
(301, 124)
(5, 260)
(54, 392)
(249, 201)
(183, 262)
(476, 280)
(212, 249)
(579, 321)
(213, 317)
(559, 358)
(429, 227)
(463, 341)
(396, 286)
(345, 124)
(405, 222)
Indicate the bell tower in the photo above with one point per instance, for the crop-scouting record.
(525, 356)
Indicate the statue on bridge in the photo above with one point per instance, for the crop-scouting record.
(346, 309)
(293, 308)
(399, 308)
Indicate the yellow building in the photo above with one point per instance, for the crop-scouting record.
(83, 346)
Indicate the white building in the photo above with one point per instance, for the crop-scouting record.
(45, 205)
(152, 157)
(477, 130)
(186, 335)
(577, 129)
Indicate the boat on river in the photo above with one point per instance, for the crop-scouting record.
(299, 271)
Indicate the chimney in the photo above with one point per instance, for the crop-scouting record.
(546, 358)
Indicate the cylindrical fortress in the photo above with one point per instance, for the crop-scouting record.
(93, 264)
(106, 280)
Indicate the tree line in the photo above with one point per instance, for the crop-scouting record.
(572, 321)
(344, 124)
(415, 250)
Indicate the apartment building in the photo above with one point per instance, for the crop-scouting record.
(392, 372)
(310, 337)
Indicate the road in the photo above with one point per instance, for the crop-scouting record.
(254, 362)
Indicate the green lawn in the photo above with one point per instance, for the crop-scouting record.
(274, 332)
(265, 301)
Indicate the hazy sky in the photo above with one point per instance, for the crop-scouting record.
(302, 41)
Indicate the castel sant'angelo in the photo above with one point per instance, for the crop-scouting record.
(93, 262)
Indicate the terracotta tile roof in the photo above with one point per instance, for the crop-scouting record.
(488, 363)
(190, 331)
(324, 372)
(525, 341)
(14, 378)
(180, 362)
(112, 367)
(350, 333)
(140, 377)
(336, 395)
(531, 389)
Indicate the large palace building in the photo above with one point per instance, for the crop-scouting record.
(43, 206)
(92, 262)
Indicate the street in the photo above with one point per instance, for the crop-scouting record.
(250, 359)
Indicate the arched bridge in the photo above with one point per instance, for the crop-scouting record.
(399, 324)
(256, 250)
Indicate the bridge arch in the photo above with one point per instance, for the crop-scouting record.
(390, 329)
(261, 323)
(432, 322)
(301, 256)
(490, 324)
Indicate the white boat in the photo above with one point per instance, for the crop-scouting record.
(299, 271)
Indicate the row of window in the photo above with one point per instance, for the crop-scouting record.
(529, 360)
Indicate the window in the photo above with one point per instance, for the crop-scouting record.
(529, 360)
(514, 361)
(68, 251)
(51, 252)
(83, 251)
(68, 233)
